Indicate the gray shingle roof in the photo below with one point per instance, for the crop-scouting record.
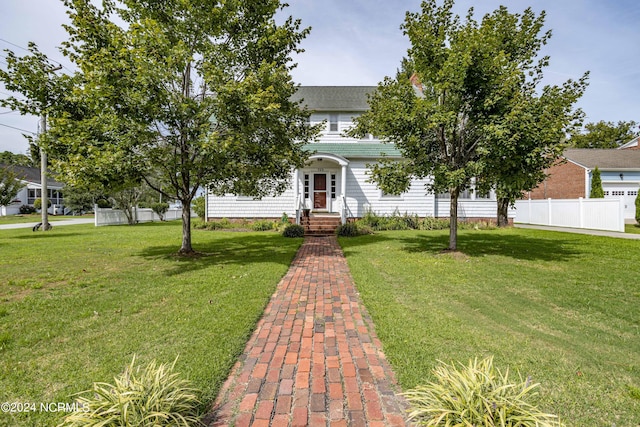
(334, 98)
(30, 174)
(604, 159)
(355, 150)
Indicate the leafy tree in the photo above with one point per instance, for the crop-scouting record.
(597, 191)
(9, 158)
(638, 207)
(469, 104)
(10, 185)
(195, 89)
(604, 134)
(160, 209)
(43, 91)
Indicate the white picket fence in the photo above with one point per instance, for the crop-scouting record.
(110, 216)
(595, 214)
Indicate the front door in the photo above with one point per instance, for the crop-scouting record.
(320, 191)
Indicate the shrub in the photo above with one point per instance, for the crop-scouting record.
(596, 185)
(638, 207)
(150, 396)
(26, 209)
(351, 229)
(38, 203)
(160, 209)
(103, 203)
(293, 230)
(198, 206)
(476, 395)
(263, 225)
(431, 223)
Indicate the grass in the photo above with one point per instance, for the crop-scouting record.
(561, 308)
(632, 228)
(79, 301)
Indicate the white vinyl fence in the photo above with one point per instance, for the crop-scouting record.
(595, 214)
(115, 216)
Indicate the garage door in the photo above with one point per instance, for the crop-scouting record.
(628, 191)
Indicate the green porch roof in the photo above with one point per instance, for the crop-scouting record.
(355, 149)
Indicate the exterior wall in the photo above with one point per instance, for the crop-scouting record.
(231, 206)
(565, 181)
(345, 122)
(363, 195)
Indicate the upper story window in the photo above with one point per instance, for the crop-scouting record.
(333, 123)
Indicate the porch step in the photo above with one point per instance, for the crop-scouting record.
(320, 225)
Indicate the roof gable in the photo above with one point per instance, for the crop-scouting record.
(604, 158)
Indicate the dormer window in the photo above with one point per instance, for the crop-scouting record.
(333, 123)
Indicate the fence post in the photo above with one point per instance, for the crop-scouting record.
(549, 221)
(621, 215)
(95, 214)
(581, 208)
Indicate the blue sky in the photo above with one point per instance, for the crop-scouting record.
(358, 42)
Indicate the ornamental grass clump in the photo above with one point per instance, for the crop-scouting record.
(476, 395)
(142, 396)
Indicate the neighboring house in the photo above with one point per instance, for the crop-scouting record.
(32, 190)
(634, 144)
(335, 181)
(571, 179)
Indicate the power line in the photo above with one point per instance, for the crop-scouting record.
(22, 130)
(27, 50)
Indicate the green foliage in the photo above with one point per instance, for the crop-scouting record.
(597, 192)
(78, 200)
(473, 108)
(263, 225)
(431, 223)
(160, 209)
(27, 209)
(8, 158)
(103, 203)
(37, 203)
(142, 397)
(349, 229)
(293, 230)
(604, 134)
(10, 185)
(181, 103)
(198, 207)
(395, 221)
(478, 394)
(638, 207)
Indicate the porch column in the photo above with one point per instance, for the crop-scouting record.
(296, 192)
(343, 191)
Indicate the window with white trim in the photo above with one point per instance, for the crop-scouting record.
(306, 185)
(333, 185)
(333, 123)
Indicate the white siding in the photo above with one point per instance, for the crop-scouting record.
(345, 122)
(362, 195)
(231, 206)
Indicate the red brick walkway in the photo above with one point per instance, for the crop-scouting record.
(314, 358)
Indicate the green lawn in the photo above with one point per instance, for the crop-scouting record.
(562, 308)
(632, 228)
(78, 302)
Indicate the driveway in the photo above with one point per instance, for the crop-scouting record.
(54, 223)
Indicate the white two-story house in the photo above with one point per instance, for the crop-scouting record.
(335, 181)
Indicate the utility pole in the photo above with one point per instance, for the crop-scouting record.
(44, 192)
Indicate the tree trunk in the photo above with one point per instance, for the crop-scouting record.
(453, 220)
(503, 212)
(186, 248)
